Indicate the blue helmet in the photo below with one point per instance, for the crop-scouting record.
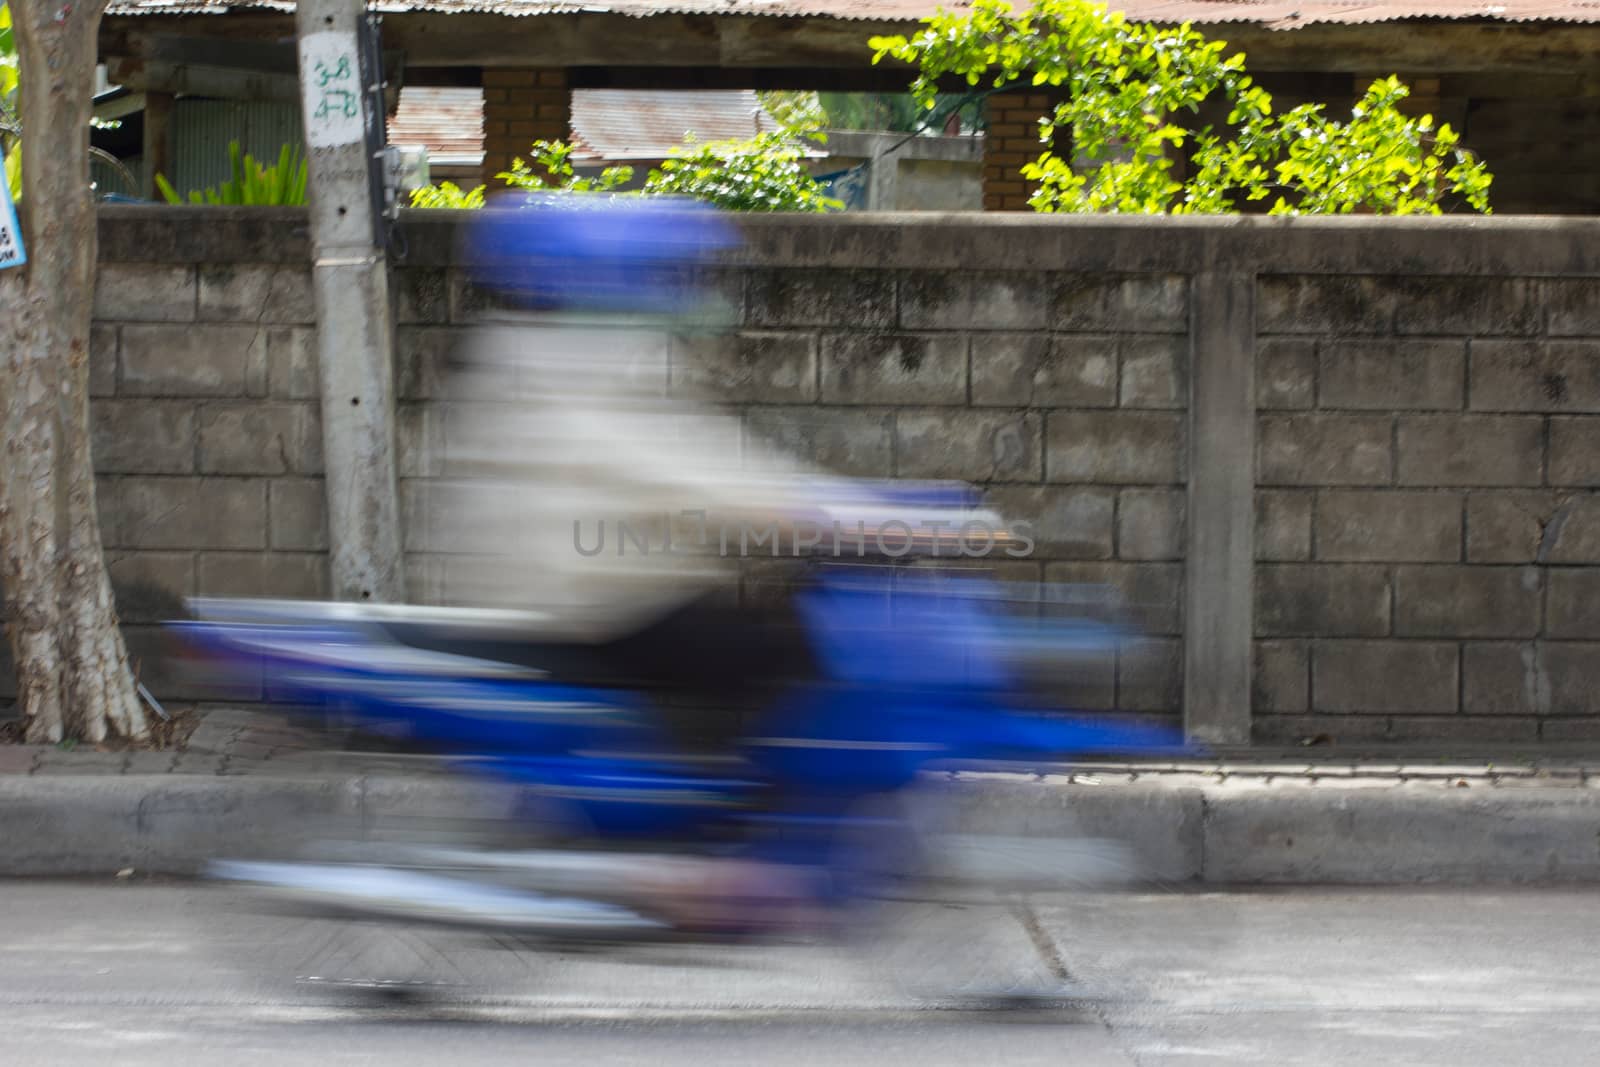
(588, 253)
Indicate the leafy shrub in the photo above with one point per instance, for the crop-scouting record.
(1131, 100)
(764, 173)
(447, 195)
(255, 185)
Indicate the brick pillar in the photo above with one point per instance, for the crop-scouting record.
(521, 106)
(1012, 139)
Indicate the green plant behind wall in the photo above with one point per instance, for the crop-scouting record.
(447, 195)
(10, 116)
(253, 185)
(1137, 99)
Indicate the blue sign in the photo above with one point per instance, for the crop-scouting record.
(850, 186)
(11, 253)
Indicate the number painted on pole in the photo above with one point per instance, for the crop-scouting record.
(330, 89)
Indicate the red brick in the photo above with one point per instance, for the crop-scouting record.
(507, 79)
(553, 78)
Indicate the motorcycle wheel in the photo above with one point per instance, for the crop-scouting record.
(387, 961)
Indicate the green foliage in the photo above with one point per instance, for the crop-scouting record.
(764, 173)
(253, 185)
(8, 61)
(1135, 97)
(11, 115)
(10, 118)
(897, 112)
(797, 110)
(447, 195)
(555, 159)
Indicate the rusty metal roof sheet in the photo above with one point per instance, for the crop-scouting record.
(617, 125)
(862, 10)
(447, 122)
(1289, 14)
(1278, 14)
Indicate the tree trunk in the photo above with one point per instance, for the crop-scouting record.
(72, 666)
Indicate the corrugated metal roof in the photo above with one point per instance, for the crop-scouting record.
(1289, 14)
(618, 125)
(608, 125)
(447, 122)
(201, 130)
(875, 10)
(1280, 14)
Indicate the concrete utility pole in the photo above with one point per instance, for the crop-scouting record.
(354, 330)
(1219, 618)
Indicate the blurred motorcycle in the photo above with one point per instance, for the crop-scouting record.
(803, 827)
(687, 770)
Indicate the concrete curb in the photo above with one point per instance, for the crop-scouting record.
(1356, 834)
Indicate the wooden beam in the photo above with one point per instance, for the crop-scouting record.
(225, 83)
(157, 149)
(822, 79)
(433, 39)
(192, 48)
(121, 35)
(1417, 47)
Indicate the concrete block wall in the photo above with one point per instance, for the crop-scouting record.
(207, 437)
(205, 419)
(1427, 531)
(1409, 556)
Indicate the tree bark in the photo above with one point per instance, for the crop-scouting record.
(72, 665)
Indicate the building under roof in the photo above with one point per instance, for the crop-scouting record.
(1518, 78)
(609, 126)
(1274, 14)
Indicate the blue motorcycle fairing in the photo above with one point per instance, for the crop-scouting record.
(912, 676)
(326, 666)
(621, 793)
(580, 252)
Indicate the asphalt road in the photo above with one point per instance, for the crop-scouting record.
(124, 973)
